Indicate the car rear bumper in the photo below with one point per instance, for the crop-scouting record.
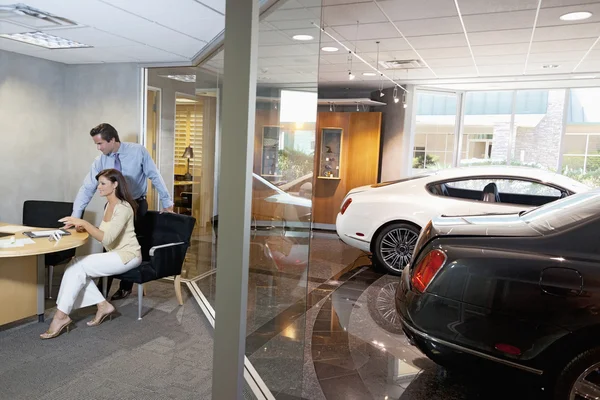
(428, 343)
(344, 231)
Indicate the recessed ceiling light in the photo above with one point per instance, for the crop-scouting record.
(369, 74)
(576, 16)
(45, 40)
(329, 49)
(550, 66)
(302, 37)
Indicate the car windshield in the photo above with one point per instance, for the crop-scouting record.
(410, 178)
(563, 213)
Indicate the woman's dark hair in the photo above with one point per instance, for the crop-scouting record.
(106, 132)
(122, 191)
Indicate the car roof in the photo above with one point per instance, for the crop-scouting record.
(509, 171)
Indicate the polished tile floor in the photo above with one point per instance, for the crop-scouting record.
(343, 340)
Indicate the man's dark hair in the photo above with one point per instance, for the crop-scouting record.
(106, 131)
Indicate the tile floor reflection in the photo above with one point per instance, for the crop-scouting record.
(332, 332)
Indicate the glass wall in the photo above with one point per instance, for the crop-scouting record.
(282, 180)
(434, 140)
(186, 147)
(513, 127)
(581, 143)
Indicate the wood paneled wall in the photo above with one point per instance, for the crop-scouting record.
(360, 160)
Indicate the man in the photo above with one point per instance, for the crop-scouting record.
(135, 163)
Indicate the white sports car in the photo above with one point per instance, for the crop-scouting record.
(386, 219)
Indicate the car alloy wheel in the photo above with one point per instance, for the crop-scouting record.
(587, 384)
(395, 247)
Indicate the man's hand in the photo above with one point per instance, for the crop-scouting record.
(168, 210)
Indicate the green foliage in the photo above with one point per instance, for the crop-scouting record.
(430, 161)
(293, 164)
(590, 178)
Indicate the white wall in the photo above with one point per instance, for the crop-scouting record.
(33, 132)
(46, 112)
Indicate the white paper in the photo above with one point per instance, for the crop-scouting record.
(13, 228)
(11, 242)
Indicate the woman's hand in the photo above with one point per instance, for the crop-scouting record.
(70, 222)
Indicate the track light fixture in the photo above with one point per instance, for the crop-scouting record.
(395, 94)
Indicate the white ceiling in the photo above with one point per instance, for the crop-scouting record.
(125, 30)
(505, 44)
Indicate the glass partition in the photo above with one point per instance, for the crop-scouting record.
(581, 147)
(187, 144)
(434, 140)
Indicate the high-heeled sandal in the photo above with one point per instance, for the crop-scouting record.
(51, 335)
(98, 321)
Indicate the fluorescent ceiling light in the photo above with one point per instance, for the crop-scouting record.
(302, 37)
(329, 49)
(45, 40)
(183, 100)
(584, 77)
(369, 74)
(576, 16)
(181, 78)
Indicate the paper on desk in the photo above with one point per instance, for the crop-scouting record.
(13, 228)
(11, 242)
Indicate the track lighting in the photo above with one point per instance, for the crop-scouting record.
(395, 94)
(404, 100)
(351, 76)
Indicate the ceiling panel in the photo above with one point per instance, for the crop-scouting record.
(490, 6)
(589, 66)
(556, 57)
(456, 71)
(11, 45)
(438, 41)
(576, 31)
(511, 36)
(500, 49)
(217, 5)
(510, 69)
(559, 3)
(499, 21)
(422, 9)
(92, 37)
(185, 16)
(449, 62)
(498, 60)
(367, 31)
(301, 24)
(437, 26)
(8, 28)
(448, 52)
(350, 13)
(562, 45)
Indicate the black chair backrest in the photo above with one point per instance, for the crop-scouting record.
(163, 228)
(45, 214)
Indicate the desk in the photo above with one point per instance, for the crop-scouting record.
(22, 275)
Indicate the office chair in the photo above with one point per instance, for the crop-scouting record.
(164, 245)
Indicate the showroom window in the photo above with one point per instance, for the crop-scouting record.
(581, 143)
(434, 139)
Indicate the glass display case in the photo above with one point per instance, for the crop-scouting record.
(330, 153)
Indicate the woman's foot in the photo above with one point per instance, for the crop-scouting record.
(58, 324)
(105, 309)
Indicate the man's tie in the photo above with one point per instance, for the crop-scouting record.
(117, 162)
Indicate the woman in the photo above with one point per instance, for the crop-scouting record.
(116, 232)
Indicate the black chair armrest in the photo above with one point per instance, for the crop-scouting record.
(167, 259)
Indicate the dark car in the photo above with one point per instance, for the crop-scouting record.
(521, 289)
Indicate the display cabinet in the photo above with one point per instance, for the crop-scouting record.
(330, 162)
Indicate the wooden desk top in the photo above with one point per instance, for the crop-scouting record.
(43, 245)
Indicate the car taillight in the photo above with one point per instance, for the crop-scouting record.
(345, 206)
(427, 268)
